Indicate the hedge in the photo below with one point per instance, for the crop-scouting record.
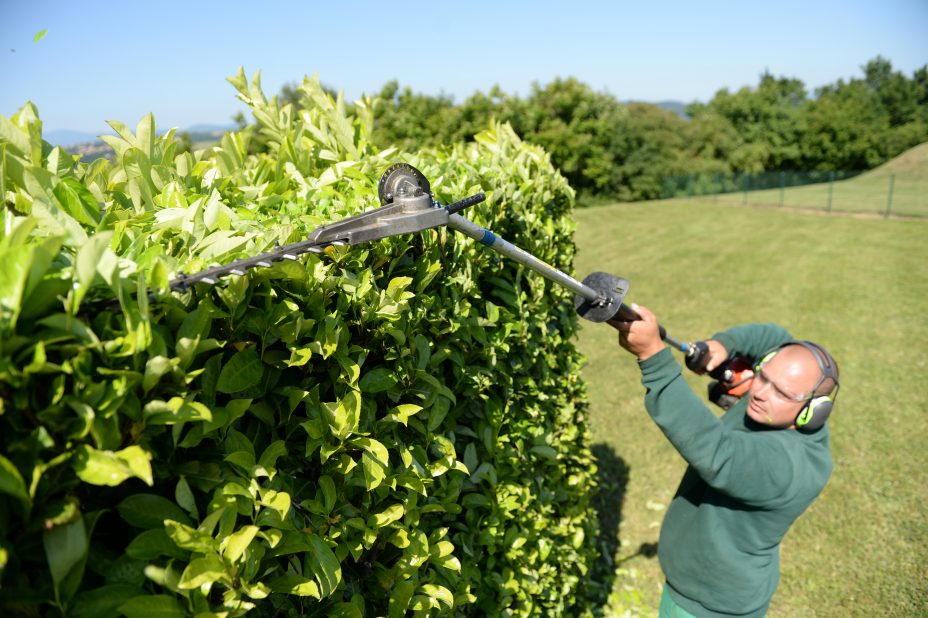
(384, 429)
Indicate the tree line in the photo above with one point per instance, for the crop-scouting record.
(610, 149)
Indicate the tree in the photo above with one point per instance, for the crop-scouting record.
(408, 119)
(896, 94)
(767, 120)
(580, 128)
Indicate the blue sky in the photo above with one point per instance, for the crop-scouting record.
(120, 60)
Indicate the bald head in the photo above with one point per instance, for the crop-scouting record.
(803, 369)
(786, 383)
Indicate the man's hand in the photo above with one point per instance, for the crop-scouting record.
(640, 337)
(717, 355)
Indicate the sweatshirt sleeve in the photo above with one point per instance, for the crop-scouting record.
(754, 467)
(752, 340)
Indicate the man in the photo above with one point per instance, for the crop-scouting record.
(751, 472)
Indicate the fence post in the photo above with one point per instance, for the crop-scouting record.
(889, 199)
(782, 187)
(831, 188)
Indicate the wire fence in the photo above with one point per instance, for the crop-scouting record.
(886, 193)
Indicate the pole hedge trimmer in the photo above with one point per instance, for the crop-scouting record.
(408, 206)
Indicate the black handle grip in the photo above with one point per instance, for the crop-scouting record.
(697, 356)
(627, 314)
(467, 202)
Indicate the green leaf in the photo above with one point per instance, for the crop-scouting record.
(17, 262)
(377, 380)
(329, 493)
(440, 593)
(155, 367)
(145, 135)
(299, 357)
(89, 258)
(397, 285)
(12, 483)
(192, 539)
(150, 511)
(399, 598)
(177, 410)
(242, 371)
(39, 35)
(242, 459)
(375, 461)
(423, 352)
(344, 415)
(153, 606)
(270, 455)
(401, 413)
(77, 201)
(236, 544)
(209, 569)
(374, 471)
(295, 584)
(65, 547)
(470, 457)
(278, 501)
(151, 544)
(112, 468)
(437, 413)
(324, 565)
(386, 517)
(184, 497)
(545, 451)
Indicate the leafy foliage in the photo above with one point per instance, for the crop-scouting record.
(388, 429)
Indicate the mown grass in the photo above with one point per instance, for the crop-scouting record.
(860, 287)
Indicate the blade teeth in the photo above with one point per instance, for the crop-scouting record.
(208, 280)
(264, 263)
(237, 271)
(289, 256)
(315, 250)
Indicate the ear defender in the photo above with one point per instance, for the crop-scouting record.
(818, 408)
(764, 360)
(814, 414)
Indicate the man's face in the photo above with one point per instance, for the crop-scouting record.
(782, 386)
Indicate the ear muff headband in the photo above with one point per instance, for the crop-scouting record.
(818, 408)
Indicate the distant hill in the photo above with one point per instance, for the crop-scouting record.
(205, 127)
(913, 161)
(70, 137)
(677, 107)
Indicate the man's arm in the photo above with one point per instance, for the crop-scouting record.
(753, 467)
(756, 468)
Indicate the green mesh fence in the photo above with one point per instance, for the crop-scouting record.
(875, 192)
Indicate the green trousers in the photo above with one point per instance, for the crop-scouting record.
(669, 609)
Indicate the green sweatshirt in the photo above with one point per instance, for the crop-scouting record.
(745, 485)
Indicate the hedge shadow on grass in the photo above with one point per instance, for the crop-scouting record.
(612, 475)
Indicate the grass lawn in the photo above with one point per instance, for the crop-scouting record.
(860, 287)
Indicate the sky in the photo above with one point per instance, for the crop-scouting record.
(102, 60)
